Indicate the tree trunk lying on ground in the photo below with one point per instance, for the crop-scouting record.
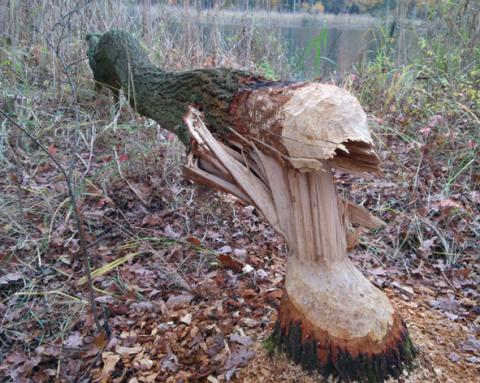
(274, 145)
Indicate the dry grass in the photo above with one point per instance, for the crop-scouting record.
(426, 117)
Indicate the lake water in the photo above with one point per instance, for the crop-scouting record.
(321, 51)
(314, 45)
(330, 49)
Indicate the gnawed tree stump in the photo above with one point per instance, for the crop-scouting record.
(331, 317)
(274, 145)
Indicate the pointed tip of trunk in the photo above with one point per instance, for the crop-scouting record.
(358, 359)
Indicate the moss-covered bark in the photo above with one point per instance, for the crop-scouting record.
(119, 62)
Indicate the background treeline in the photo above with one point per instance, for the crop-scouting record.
(416, 8)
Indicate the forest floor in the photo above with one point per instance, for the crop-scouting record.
(188, 280)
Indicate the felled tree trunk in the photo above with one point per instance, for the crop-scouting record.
(119, 62)
(274, 145)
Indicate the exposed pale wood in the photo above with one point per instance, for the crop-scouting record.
(246, 180)
(257, 165)
(297, 219)
(278, 182)
(316, 222)
(301, 204)
(361, 216)
(200, 176)
(212, 165)
(306, 164)
(333, 225)
(330, 117)
(320, 275)
(353, 166)
(308, 123)
(306, 215)
(327, 295)
(233, 153)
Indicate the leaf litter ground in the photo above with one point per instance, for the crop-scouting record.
(188, 280)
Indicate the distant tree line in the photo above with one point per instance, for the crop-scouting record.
(415, 8)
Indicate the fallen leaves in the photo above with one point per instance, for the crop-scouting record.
(170, 232)
(454, 357)
(10, 277)
(170, 333)
(128, 350)
(110, 361)
(471, 344)
(186, 319)
(241, 338)
(238, 357)
(179, 301)
(230, 262)
(449, 303)
(74, 340)
(100, 340)
(233, 268)
(426, 246)
(170, 363)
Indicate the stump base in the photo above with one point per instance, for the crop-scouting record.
(356, 359)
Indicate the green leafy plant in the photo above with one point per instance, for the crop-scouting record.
(315, 48)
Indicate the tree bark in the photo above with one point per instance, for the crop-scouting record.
(119, 62)
(274, 145)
